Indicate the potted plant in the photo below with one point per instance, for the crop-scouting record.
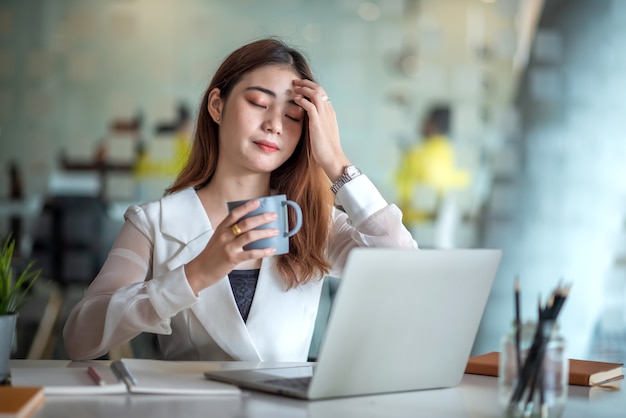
(13, 295)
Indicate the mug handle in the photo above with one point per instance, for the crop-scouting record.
(298, 210)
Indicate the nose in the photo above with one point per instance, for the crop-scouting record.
(273, 122)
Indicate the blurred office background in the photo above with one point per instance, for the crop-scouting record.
(92, 93)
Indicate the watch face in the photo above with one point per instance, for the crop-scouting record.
(352, 171)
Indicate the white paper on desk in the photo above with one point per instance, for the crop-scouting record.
(174, 378)
(67, 380)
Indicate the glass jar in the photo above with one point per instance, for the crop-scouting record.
(535, 383)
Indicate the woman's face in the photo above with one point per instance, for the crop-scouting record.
(261, 124)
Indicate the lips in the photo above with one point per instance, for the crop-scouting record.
(267, 146)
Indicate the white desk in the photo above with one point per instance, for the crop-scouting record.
(476, 396)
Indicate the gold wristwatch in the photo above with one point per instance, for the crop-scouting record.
(349, 172)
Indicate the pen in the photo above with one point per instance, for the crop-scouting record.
(95, 376)
(122, 373)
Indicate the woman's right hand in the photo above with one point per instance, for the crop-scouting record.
(225, 251)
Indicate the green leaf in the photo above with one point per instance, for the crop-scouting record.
(14, 293)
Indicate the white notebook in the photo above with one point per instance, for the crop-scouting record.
(141, 376)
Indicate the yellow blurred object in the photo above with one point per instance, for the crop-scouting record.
(429, 163)
(146, 166)
(182, 149)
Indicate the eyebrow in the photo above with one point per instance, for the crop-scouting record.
(269, 93)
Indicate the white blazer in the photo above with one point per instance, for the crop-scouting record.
(280, 323)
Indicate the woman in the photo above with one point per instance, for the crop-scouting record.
(178, 268)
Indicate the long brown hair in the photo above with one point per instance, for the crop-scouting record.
(300, 177)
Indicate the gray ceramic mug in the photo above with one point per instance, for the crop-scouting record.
(279, 204)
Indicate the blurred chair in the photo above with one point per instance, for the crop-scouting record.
(25, 212)
(76, 238)
(71, 246)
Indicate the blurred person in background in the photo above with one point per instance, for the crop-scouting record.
(431, 164)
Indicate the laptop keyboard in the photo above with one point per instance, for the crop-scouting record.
(299, 383)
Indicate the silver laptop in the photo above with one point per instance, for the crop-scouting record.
(402, 320)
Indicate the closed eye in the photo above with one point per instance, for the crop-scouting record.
(257, 104)
(295, 112)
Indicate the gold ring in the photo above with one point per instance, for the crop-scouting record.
(236, 230)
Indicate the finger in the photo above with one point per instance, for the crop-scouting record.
(314, 108)
(311, 90)
(237, 213)
(235, 245)
(317, 96)
(305, 103)
(237, 252)
(255, 254)
(258, 234)
(302, 82)
(252, 222)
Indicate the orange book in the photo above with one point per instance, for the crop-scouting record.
(20, 402)
(485, 364)
(581, 372)
(590, 373)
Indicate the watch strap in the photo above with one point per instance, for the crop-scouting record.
(349, 172)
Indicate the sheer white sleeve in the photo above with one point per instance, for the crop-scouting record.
(125, 300)
(367, 221)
